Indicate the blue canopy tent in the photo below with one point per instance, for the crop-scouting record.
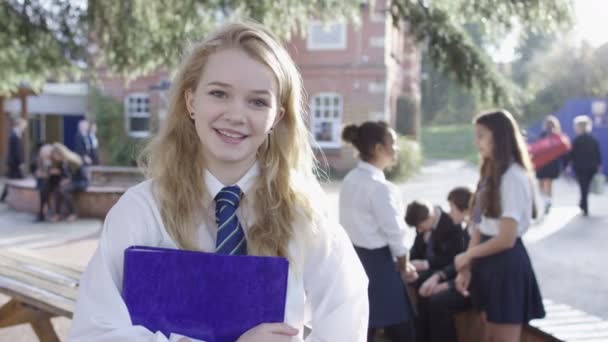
(574, 108)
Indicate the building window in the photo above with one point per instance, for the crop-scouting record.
(137, 115)
(326, 114)
(326, 36)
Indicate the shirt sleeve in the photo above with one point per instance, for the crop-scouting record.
(101, 315)
(513, 197)
(388, 209)
(336, 288)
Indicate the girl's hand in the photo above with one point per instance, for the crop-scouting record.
(409, 274)
(440, 288)
(426, 290)
(269, 332)
(462, 261)
(420, 265)
(463, 280)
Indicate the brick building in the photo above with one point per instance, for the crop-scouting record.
(352, 73)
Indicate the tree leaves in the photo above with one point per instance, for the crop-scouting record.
(51, 39)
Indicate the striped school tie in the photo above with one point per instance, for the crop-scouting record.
(230, 234)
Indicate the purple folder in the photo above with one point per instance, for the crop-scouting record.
(210, 297)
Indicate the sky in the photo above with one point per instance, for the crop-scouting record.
(590, 24)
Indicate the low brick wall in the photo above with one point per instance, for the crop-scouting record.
(95, 202)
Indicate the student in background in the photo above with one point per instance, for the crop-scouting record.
(585, 158)
(82, 142)
(235, 131)
(438, 239)
(496, 264)
(15, 157)
(74, 179)
(42, 172)
(548, 173)
(94, 143)
(371, 212)
(438, 294)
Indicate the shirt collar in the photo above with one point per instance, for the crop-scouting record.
(214, 186)
(437, 212)
(371, 168)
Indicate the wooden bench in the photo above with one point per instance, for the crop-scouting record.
(39, 290)
(562, 323)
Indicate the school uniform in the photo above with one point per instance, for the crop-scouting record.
(440, 308)
(327, 286)
(446, 240)
(503, 285)
(586, 160)
(15, 157)
(82, 145)
(94, 148)
(371, 212)
(552, 169)
(14, 160)
(440, 248)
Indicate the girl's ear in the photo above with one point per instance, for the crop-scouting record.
(377, 150)
(280, 115)
(189, 97)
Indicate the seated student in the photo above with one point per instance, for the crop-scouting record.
(437, 241)
(41, 170)
(74, 179)
(438, 293)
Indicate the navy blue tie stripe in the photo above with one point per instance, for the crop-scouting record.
(230, 235)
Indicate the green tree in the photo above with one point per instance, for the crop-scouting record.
(116, 148)
(40, 40)
(564, 72)
(136, 36)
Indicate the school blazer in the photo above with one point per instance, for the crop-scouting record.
(447, 242)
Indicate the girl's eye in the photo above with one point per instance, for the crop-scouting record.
(259, 103)
(218, 93)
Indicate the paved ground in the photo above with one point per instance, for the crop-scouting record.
(568, 251)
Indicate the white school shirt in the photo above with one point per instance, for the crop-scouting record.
(372, 211)
(331, 287)
(516, 198)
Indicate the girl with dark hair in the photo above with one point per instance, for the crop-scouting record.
(371, 212)
(496, 263)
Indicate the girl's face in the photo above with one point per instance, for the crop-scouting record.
(56, 156)
(234, 107)
(484, 141)
(456, 214)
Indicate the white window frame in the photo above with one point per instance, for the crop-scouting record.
(312, 45)
(129, 115)
(336, 122)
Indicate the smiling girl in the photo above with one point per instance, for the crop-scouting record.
(235, 127)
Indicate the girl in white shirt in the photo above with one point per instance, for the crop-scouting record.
(496, 264)
(372, 213)
(235, 119)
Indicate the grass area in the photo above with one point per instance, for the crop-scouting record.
(449, 142)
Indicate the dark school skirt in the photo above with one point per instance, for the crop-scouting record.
(550, 171)
(504, 286)
(388, 300)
